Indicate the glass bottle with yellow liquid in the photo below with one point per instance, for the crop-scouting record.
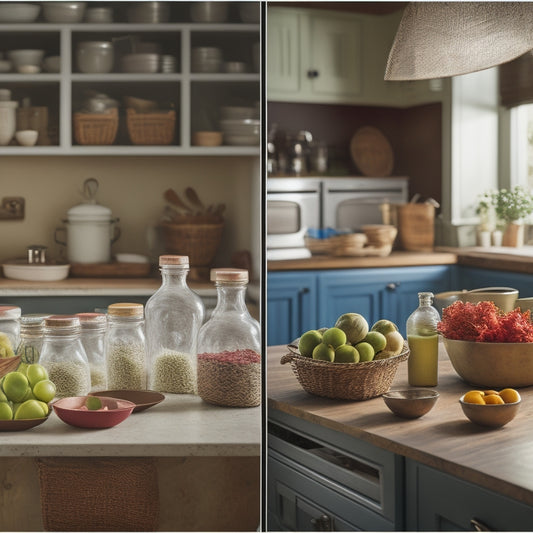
(423, 340)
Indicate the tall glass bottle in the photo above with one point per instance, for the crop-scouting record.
(63, 356)
(423, 340)
(229, 344)
(173, 315)
(125, 347)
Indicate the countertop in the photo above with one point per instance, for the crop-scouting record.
(499, 459)
(181, 425)
(498, 258)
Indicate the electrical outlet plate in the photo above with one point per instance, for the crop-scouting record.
(12, 208)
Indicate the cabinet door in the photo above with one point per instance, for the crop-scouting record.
(283, 54)
(291, 306)
(334, 61)
(440, 502)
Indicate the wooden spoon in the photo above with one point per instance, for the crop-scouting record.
(172, 197)
(194, 199)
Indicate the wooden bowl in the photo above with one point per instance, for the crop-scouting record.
(9, 364)
(493, 415)
(207, 138)
(410, 403)
(492, 364)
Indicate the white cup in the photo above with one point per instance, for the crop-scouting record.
(27, 137)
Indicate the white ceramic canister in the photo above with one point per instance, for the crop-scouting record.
(95, 57)
(8, 121)
(90, 230)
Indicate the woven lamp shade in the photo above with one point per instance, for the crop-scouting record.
(441, 39)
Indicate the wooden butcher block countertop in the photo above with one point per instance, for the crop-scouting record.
(500, 459)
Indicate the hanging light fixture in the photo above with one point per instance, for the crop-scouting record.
(441, 39)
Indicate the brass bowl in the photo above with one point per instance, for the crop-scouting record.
(410, 403)
(492, 364)
(493, 415)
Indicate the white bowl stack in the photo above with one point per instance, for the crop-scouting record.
(241, 132)
(206, 59)
(140, 63)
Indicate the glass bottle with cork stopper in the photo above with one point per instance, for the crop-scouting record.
(64, 357)
(173, 314)
(93, 330)
(125, 347)
(229, 344)
(423, 341)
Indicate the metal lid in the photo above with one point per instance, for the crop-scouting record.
(126, 309)
(229, 274)
(90, 210)
(174, 260)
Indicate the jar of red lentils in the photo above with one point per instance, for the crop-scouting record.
(229, 344)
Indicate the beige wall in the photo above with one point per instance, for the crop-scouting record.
(133, 188)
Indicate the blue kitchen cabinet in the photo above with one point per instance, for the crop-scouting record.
(476, 278)
(436, 501)
(291, 305)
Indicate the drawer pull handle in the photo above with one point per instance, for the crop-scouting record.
(392, 286)
(478, 525)
(322, 523)
(311, 74)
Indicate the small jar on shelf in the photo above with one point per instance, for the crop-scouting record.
(229, 360)
(174, 315)
(9, 329)
(93, 330)
(64, 357)
(125, 347)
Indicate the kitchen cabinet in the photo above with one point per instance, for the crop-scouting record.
(321, 296)
(195, 97)
(319, 479)
(475, 278)
(437, 501)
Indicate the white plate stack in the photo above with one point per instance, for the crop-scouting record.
(140, 63)
(241, 132)
(206, 59)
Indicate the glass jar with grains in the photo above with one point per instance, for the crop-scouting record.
(93, 330)
(229, 360)
(63, 356)
(125, 347)
(9, 329)
(174, 315)
(31, 339)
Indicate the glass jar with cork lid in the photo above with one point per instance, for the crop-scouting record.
(31, 339)
(93, 330)
(229, 344)
(64, 357)
(174, 314)
(125, 347)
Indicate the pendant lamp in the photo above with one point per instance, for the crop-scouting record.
(441, 39)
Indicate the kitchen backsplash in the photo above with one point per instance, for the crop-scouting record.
(132, 187)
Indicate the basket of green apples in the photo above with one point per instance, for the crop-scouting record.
(25, 395)
(350, 360)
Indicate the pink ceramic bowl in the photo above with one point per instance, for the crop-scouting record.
(72, 410)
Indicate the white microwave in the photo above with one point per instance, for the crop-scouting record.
(293, 206)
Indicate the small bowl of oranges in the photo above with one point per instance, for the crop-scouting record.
(490, 408)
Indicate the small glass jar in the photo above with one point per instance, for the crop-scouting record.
(229, 344)
(31, 339)
(174, 315)
(63, 356)
(93, 330)
(125, 347)
(9, 329)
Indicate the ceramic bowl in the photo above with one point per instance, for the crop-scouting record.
(25, 57)
(410, 403)
(19, 12)
(22, 270)
(503, 297)
(207, 138)
(21, 425)
(72, 411)
(494, 415)
(27, 137)
(492, 364)
(143, 399)
(64, 12)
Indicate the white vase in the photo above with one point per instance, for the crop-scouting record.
(7, 125)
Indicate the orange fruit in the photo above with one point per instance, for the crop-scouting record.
(510, 395)
(474, 396)
(491, 392)
(493, 399)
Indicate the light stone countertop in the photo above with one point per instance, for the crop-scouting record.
(179, 426)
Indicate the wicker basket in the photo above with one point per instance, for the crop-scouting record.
(199, 241)
(345, 381)
(417, 227)
(151, 128)
(96, 128)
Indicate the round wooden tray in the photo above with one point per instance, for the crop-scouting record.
(371, 152)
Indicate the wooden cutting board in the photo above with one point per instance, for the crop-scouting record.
(371, 152)
(114, 269)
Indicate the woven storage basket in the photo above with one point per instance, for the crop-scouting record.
(96, 128)
(151, 128)
(199, 241)
(345, 381)
(317, 246)
(99, 494)
(416, 227)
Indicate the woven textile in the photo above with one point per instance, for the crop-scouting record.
(99, 494)
(440, 39)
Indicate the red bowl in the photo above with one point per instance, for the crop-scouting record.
(72, 411)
